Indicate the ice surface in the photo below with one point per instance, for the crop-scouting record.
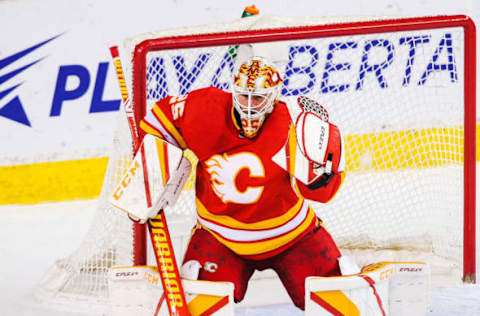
(32, 237)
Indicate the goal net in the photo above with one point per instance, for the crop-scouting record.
(402, 91)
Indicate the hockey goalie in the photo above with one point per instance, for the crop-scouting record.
(260, 160)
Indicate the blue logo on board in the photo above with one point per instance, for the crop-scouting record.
(13, 109)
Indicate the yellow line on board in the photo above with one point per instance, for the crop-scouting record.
(52, 181)
(408, 149)
(83, 179)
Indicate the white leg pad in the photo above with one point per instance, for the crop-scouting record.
(137, 290)
(385, 288)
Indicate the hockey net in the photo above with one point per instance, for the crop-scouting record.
(402, 92)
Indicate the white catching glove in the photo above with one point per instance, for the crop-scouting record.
(320, 141)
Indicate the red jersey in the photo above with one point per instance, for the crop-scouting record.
(244, 199)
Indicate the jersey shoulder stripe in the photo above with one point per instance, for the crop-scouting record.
(150, 128)
(168, 126)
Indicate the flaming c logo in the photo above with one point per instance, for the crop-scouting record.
(223, 170)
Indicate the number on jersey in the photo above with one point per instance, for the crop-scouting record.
(178, 105)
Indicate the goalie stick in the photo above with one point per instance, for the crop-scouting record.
(159, 235)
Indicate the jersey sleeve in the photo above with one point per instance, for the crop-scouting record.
(322, 193)
(164, 120)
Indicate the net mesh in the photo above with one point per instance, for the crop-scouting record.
(397, 98)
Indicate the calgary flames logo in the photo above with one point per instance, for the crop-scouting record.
(257, 75)
(223, 170)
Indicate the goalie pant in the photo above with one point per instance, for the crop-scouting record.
(313, 255)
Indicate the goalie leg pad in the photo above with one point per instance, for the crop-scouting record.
(385, 288)
(137, 290)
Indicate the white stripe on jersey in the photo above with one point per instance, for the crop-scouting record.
(241, 235)
(151, 119)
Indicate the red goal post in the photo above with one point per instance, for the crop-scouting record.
(139, 77)
(403, 93)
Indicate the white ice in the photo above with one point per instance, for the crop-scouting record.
(32, 237)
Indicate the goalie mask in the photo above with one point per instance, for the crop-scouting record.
(256, 86)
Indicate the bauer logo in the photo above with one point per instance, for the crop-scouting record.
(322, 66)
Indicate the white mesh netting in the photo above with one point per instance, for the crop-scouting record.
(398, 99)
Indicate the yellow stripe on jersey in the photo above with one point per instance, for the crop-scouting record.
(150, 130)
(169, 126)
(233, 223)
(259, 247)
(292, 148)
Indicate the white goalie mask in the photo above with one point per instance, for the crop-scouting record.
(256, 86)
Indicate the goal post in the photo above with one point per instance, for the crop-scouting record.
(403, 93)
(141, 72)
